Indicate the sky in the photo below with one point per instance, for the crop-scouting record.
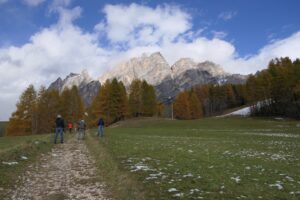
(41, 40)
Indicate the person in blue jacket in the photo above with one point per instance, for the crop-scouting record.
(100, 127)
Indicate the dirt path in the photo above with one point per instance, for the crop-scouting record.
(67, 172)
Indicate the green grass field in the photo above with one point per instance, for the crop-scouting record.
(17, 152)
(213, 158)
(2, 128)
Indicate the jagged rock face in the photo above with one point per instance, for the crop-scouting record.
(185, 64)
(89, 91)
(171, 86)
(56, 85)
(153, 69)
(168, 80)
(87, 87)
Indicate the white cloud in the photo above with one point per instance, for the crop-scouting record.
(33, 2)
(288, 47)
(52, 52)
(64, 47)
(228, 15)
(142, 25)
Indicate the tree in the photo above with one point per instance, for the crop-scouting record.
(124, 101)
(148, 99)
(135, 98)
(71, 105)
(181, 106)
(195, 106)
(230, 96)
(47, 109)
(100, 105)
(24, 120)
(275, 89)
(65, 107)
(110, 103)
(118, 101)
(76, 103)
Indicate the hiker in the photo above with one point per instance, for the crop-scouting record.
(81, 129)
(100, 127)
(59, 130)
(70, 126)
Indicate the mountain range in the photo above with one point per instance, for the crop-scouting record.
(168, 80)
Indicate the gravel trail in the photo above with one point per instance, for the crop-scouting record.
(67, 172)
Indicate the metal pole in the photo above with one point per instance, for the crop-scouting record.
(172, 112)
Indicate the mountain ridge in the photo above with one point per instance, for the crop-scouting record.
(87, 87)
(168, 80)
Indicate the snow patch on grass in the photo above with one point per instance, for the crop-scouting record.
(236, 179)
(10, 163)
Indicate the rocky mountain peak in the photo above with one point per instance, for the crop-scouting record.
(76, 79)
(182, 65)
(157, 55)
(152, 68)
(212, 68)
(168, 80)
(71, 75)
(87, 87)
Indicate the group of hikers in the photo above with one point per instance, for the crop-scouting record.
(79, 127)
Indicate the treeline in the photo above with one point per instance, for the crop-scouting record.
(207, 100)
(113, 103)
(276, 89)
(36, 111)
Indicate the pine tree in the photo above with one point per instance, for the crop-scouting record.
(230, 96)
(24, 120)
(47, 109)
(195, 106)
(42, 110)
(65, 105)
(116, 101)
(124, 101)
(135, 98)
(148, 99)
(76, 105)
(181, 106)
(101, 104)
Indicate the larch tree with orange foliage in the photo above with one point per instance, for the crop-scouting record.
(182, 106)
(24, 120)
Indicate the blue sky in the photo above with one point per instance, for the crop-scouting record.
(253, 24)
(41, 40)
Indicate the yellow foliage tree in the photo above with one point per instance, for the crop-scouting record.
(24, 120)
(182, 106)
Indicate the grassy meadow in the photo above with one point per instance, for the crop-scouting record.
(16, 153)
(213, 158)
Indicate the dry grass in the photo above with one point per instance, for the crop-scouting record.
(121, 184)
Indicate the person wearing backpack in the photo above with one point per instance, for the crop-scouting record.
(81, 129)
(59, 129)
